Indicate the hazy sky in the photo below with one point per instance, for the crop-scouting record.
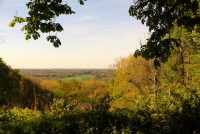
(98, 34)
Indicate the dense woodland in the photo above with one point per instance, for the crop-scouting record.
(155, 90)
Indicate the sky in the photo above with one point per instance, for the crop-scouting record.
(96, 36)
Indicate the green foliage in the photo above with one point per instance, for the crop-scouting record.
(41, 19)
(160, 16)
(184, 119)
(58, 108)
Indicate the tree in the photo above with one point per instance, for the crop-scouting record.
(9, 84)
(134, 79)
(161, 16)
(41, 19)
(186, 54)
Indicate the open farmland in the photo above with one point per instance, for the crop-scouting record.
(69, 74)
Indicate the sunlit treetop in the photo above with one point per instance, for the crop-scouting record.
(42, 19)
(161, 16)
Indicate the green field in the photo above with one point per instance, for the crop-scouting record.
(79, 77)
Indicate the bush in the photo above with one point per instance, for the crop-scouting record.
(183, 119)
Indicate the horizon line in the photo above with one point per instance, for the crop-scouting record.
(65, 68)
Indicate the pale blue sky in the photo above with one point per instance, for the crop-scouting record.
(98, 34)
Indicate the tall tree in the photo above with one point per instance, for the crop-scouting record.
(134, 78)
(188, 51)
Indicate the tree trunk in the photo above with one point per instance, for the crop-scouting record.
(185, 61)
(156, 82)
(35, 100)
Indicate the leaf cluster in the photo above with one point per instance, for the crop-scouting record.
(41, 19)
(161, 16)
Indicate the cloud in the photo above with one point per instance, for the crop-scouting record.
(106, 32)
